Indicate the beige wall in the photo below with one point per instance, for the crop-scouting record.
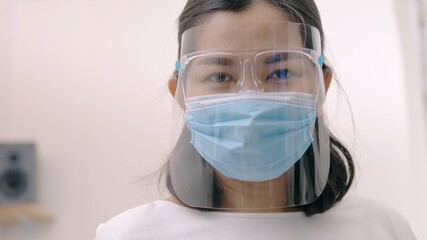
(86, 80)
(375, 49)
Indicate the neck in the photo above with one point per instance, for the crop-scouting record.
(240, 196)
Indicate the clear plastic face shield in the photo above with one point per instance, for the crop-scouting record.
(256, 134)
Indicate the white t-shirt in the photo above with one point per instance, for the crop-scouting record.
(353, 219)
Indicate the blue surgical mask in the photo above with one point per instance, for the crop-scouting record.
(251, 136)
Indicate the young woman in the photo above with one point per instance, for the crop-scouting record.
(255, 159)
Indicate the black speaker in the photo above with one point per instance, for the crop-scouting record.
(17, 173)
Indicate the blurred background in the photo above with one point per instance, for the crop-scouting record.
(86, 81)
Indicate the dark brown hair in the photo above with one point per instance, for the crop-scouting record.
(341, 172)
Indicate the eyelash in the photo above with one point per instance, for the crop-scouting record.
(280, 71)
(219, 74)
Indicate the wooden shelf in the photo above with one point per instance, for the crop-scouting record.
(16, 213)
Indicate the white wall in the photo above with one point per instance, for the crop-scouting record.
(86, 80)
(373, 45)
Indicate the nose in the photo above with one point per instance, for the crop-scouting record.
(249, 82)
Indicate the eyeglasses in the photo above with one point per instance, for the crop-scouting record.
(265, 71)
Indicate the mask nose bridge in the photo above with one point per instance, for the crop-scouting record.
(249, 82)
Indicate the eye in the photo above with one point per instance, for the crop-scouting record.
(279, 74)
(220, 77)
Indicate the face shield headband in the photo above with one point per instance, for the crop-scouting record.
(256, 134)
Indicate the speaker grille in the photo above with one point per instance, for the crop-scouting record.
(17, 173)
(13, 183)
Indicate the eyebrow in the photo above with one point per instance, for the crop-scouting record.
(278, 57)
(215, 60)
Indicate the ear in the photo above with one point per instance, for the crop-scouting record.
(172, 83)
(327, 76)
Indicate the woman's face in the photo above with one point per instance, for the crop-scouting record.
(257, 46)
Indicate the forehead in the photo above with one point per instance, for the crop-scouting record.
(260, 26)
(257, 12)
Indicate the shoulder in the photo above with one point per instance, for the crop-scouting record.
(373, 218)
(362, 206)
(141, 221)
